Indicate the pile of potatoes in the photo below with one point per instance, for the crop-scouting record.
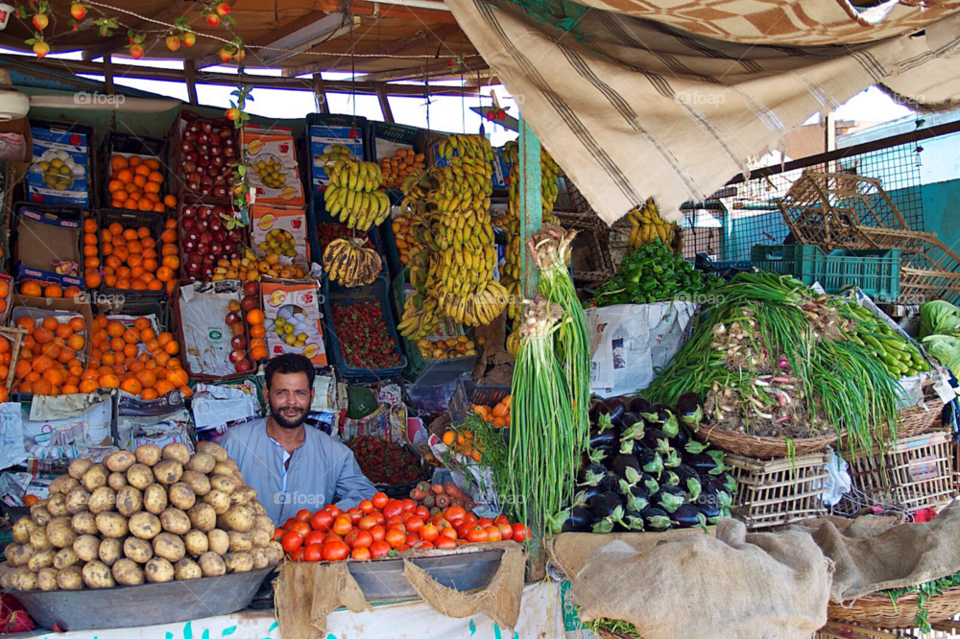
(153, 515)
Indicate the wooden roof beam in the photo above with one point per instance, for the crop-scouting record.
(363, 8)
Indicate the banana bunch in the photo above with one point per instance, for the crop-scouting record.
(421, 315)
(646, 225)
(479, 307)
(513, 342)
(349, 264)
(463, 145)
(549, 171)
(353, 194)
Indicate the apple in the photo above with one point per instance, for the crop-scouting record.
(233, 317)
(243, 366)
(251, 289)
(238, 342)
(248, 303)
(188, 223)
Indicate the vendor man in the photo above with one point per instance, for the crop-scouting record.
(292, 466)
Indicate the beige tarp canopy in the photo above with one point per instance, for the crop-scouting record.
(671, 98)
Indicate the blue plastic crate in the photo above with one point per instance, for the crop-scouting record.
(334, 127)
(379, 291)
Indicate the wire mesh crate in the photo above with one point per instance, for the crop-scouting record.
(774, 492)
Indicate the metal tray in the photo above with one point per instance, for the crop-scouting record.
(146, 605)
(384, 578)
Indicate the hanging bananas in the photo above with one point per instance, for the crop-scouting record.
(349, 264)
(421, 315)
(353, 194)
(646, 225)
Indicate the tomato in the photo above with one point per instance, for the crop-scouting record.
(405, 516)
(477, 535)
(331, 537)
(448, 532)
(463, 529)
(422, 512)
(303, 515)
(297, 555)
(366, 523)
(314, 537)
(355, 515)
(412, 539)
(446, 543)
(506, 530)
(379, 517)
(360, 553)
(278, 533)
(408, 505)
(378, 533)
(393, 509)
(358, 538)
(333, 510)
(483, 522)
(520, 532)
(395, 537)
(301, 528)
(291, 541)
(313, 552)
(423, 544)
(413, 524)
(429, 532)
(365, 506)
(321, 520)
(342, 525)
(393, 521)
(469, 518)
(335, 551)
(379, 500)
(501, 519)
(402, 548)
(493, 533)
(289, 522)
(379, 549)
(454, 513)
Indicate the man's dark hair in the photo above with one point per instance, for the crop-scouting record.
(289, 363)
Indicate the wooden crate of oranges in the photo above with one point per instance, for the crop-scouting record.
(130, 252)
(135, 183)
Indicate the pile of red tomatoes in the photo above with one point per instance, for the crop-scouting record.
(382, 527)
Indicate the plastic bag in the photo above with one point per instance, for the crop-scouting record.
(938, 317)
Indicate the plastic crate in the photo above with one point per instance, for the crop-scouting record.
(329, 119)
(126, 143)
(129, 220)
(429, 372)
(378, 291)
(317, 214)
(174, 136)
(776, 492)
(92, 172)
(468, 393)
(875, 271)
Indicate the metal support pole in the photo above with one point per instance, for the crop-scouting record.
(530, 196)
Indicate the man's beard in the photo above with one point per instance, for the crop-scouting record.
(283, 421)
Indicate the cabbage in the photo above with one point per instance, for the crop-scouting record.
(945, 348)
(938, 317)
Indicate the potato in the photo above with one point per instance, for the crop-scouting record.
(84, 523)
(102, 500)
(38, 538)
(238, 562)
(42, 559)
(24, 580)
(78, 467)
(203, 517)
(95, 477)
(87, 547)
(6, 575)
(259, 509)
(127, 573)
(70, 578)
(139, 476)
(175, 521)
(129, 501)
(224, 483)
(239, 542)
(110, 551)
(216, 451)
(275, 551)
(259, 538)
(169, 546)
(187, 569)
(19, 554)
(47, 579)
(196, 542)
(21, 530)
(167, 472)
(65, 558)
(211, 565)
(201, 462)
(155, 499)
(60, 533)
(239, 518)
(219, 541)
(176, 452)
(39, 513)
(117, 481)
(147, 454)
(182, 496)
(68, 484)
(198, 483)
(144, 525)
(120, 461)
(112, 525)
(219, 500)
(260, 557)
(96, 574)
(158, 570)
(262, 522)
(137, 550)
(57, 505)
(77, 500)
(54, 485)
(243, 495)
(227, 469)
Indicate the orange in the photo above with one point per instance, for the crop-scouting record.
(108, 359)
(63, 330)
(146, 378)
(142, 169)
(165, 273)
(178, 377)
(130, 350)
(163, 387)
(75, 342)
(150, 265)
(171, 261)
(147, 334)
(91, 261)
(170, 201)
(66, 354)
(141, 323)
(4, 346)
(115, 328)
(172, 347)
(76, 323)
(161, 357)
(89, 385)
(55, 376)
(4, 288)
(144, 204)
(117, 162)
(50, 323)
(258, 353)
(115, 228)
(149, 393)
(135, 160)
(42, 387)
(140, 180)
(42, 336)
(21, 369)
(164, 337)
(110, 380)
(31, 289)
(257, 330)
(117, 344)
(158, 207)
(255, 316)
(52, 290)
(155, 176)
(124, 175)
(114, 185)
(33, 376)
(153, 285)
(130, 336)
(69, 389)
(131, 386)
(153, 163)
(138, 285)
(168, 249)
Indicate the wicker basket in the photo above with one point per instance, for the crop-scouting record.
(877, 611)
(778, 491)
(762, 447)
(915, 419)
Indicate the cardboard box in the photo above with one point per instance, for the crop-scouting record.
(324, 142)
(63, 308)
(48, 182)
(295, 304)
(45, 239)
(272, 166)
(274, 223)
(11, 149)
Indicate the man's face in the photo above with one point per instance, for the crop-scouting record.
(289, 398)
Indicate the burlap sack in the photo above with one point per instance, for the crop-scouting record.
(872, 553)
(495, 366)
(735, 586)
(568, 551)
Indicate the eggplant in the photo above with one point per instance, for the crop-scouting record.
(669, 498)
(610, 483)
(578, 520)
(702, 463)
(689, 481)
(671, 459)
(689, 409)
(680, 440)
(604, 435)
(655, 519)
(609, 523)
(612, 407)
(633, 519)
(670, 478)
(671, 427)
(592, 475)
(585, 493)
(710, 511)
(627, 420)
(604, 504)
(650, 462)
(686, 516)
(654, 438)
(640, 405)
(621, 462)
(663, 412)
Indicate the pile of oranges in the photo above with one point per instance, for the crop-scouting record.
(36, 288)
(49, 362)
(135, 183)
(148, 372)
(130, 257)
(5, 350)
(4, 292)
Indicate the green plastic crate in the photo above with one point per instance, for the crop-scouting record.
(875, 271)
